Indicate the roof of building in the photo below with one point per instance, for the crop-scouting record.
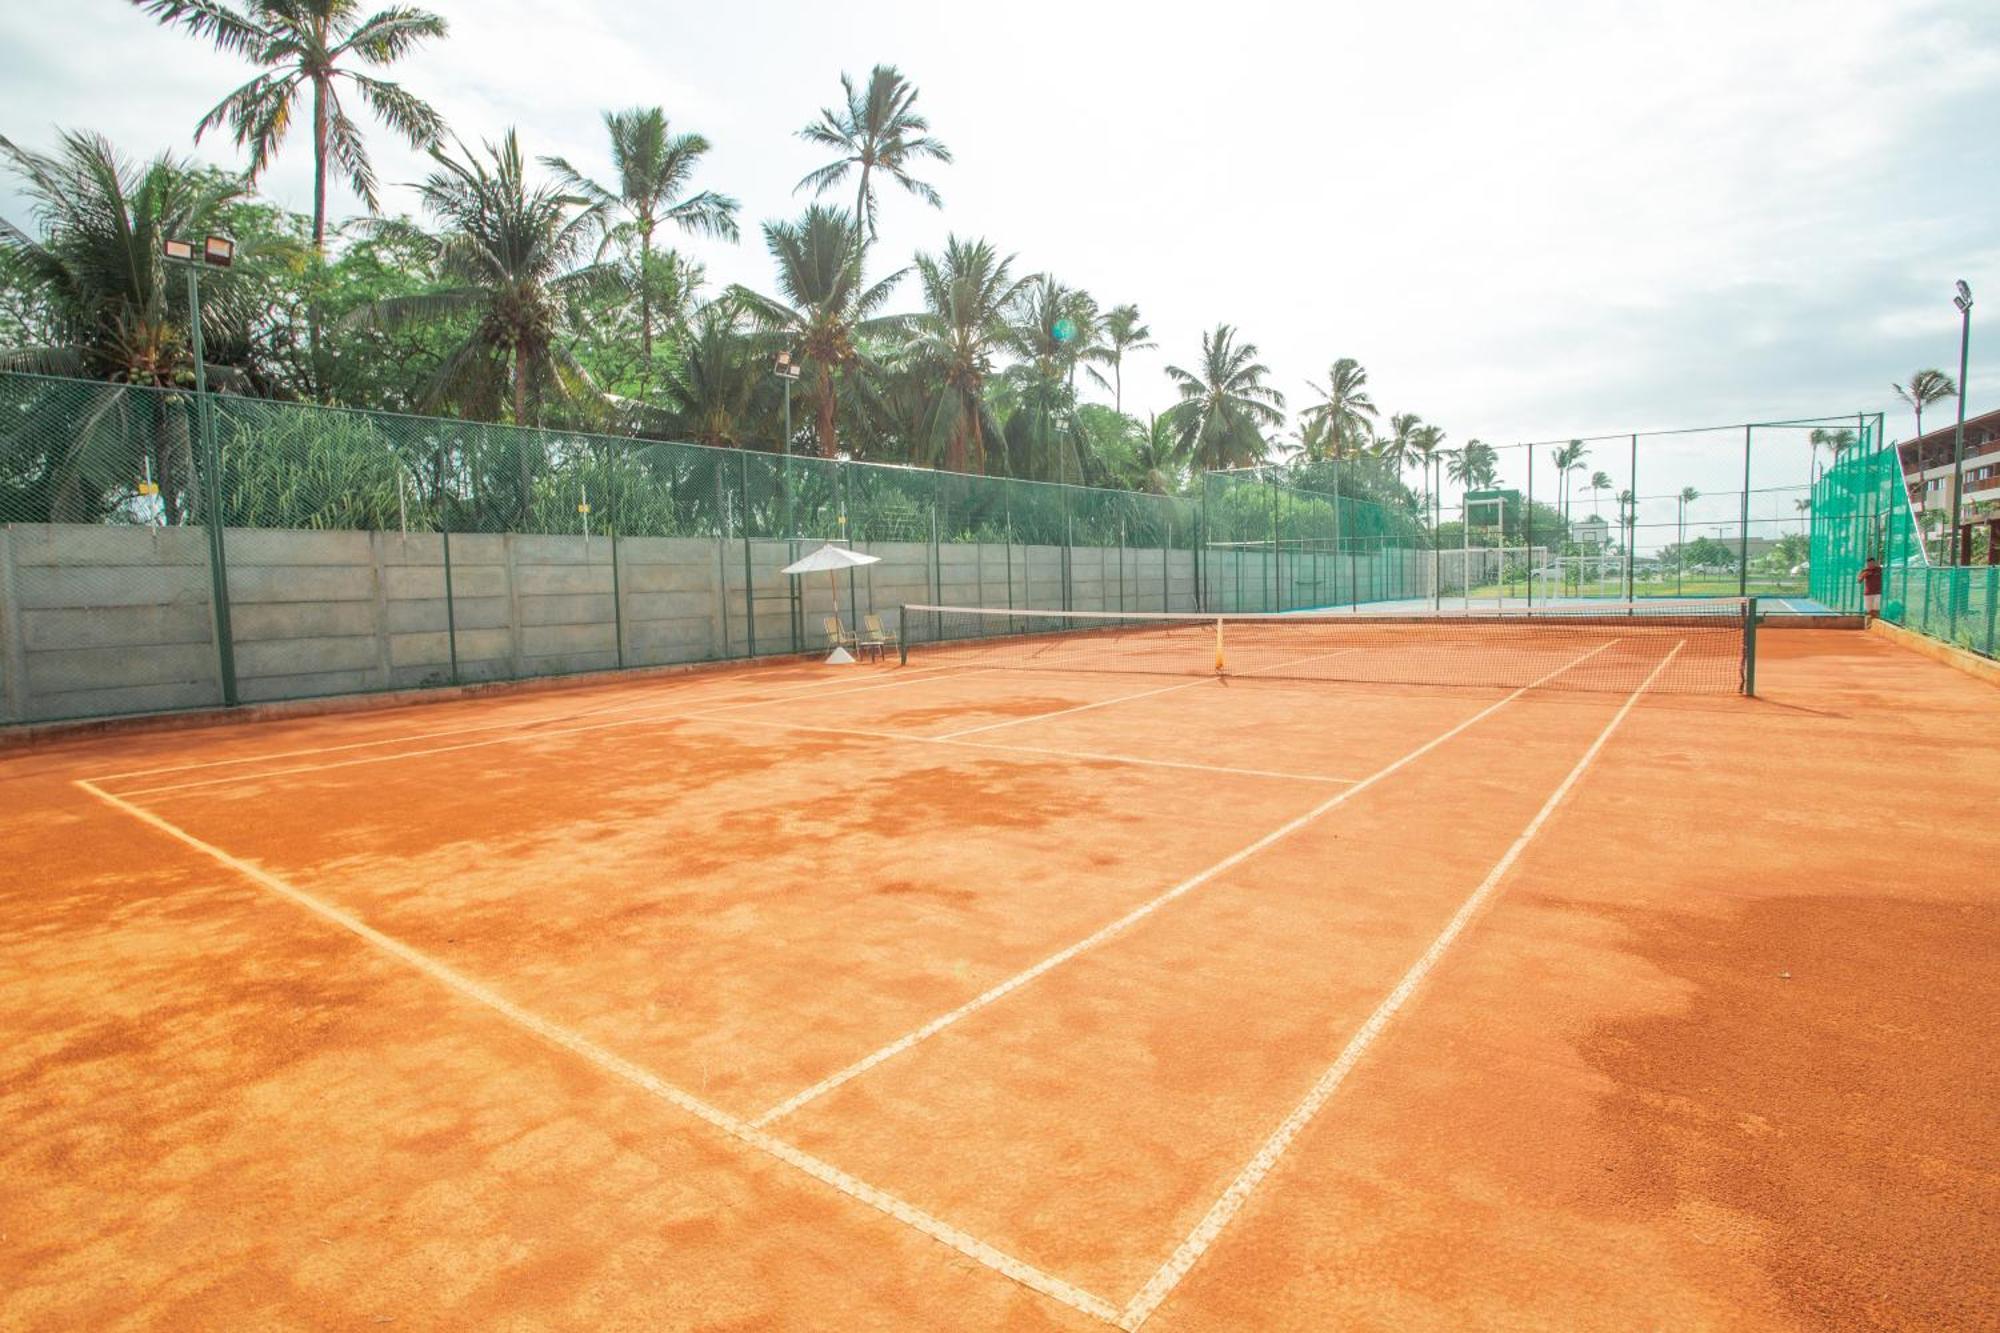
(1933, 447)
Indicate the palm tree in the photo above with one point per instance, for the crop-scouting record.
(1051, 331)
(718, 382)
(107, 308)
(1225, 405)
(1925, 387)
(1687, 497)
(825, 308)
(1568, 458)
(1156, 457)
(1835, 442)
(1427, 444)
(510, 252)
(1344, 408)
(1394, 448)
(1475, 466)
(301, 44)
(654, 168)
(112, 309)
(1599, 481)
(968, 292)
(876, 129)
(1121, 332)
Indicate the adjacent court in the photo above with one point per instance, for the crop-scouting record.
(1417, 973)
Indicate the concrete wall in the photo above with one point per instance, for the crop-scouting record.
(106, 620)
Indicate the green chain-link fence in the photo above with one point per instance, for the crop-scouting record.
(160, 551)
(1861, 507)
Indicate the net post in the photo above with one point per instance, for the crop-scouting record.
(903, 635)
(1750, 647)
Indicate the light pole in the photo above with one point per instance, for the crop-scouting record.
(1963, 300)
(216, 252)
(787, 370)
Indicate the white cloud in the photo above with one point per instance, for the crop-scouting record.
(1527, 220)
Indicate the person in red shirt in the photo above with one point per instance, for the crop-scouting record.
(1870, 579)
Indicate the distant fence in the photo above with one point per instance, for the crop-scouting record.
(158, 551)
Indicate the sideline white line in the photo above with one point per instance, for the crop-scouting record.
(619, 1067)
(1146, 909)
(665, 714)
(1226, 1208)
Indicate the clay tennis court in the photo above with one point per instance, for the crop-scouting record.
(969, 994)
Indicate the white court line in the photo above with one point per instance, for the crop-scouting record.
(619, 1067)
(1226, 1208)
(1146, 909)
(1142, 694)
(1133, 759)
(451, 731)
(667, 714)
(1080, 708)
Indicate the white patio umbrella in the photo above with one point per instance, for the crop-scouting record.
(832, 559)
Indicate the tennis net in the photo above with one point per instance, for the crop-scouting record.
(1698, 647)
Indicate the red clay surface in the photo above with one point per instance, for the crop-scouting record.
(906, 998)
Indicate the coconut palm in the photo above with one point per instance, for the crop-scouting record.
(106, 307)
(968, 292)
(303, 45)
(824, 308)
(512, 255)
(1568, 458)
(1427, 447)
(1925, 387)
(1225, 405)
(654, 168)
(1599, 482)
(1687, 497)
(1395, 447)
(1156, 457)
(1050, 330)
(1475, 466)
(1834, 441)
(877, 129)
(1345, 408)
(112, 310)
(1120, 331)
(718, 383)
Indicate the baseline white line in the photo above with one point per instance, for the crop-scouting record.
(1145, 909)
(1231, 1203)
(1133, 759)
(619, 1067)
(811, 687)
(666, 714)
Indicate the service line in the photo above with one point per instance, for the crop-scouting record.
(1225, 1208)
(1146, 909)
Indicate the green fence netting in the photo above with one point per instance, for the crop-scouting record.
(161, 550)
(1861, 507)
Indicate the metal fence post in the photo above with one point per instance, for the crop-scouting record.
(1742, 522)
(450, 605)
(749, 579)
(1632, 523)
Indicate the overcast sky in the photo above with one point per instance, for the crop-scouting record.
(1526, 220)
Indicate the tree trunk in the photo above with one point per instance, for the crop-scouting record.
(646, 302)
(319, 166)
(827, 413)
(519, 441)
